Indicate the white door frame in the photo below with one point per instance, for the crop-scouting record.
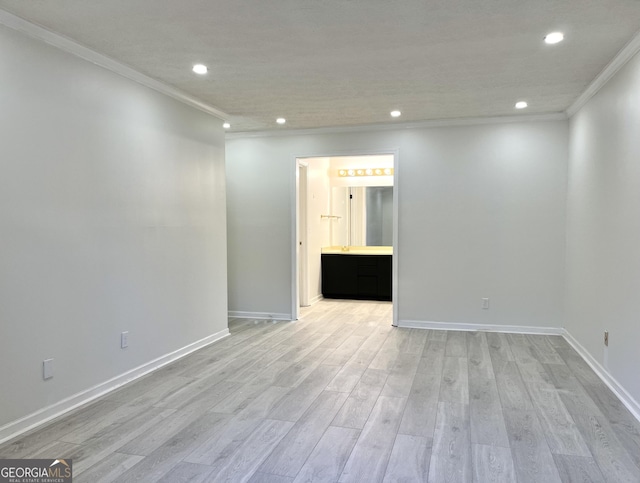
(303, 235)
(295, 242)
(295, 233)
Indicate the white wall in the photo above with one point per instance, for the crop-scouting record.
(481, 214)
(603, 262)
(112, 218)
(340, 206)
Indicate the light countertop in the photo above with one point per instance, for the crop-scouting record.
(357, 250)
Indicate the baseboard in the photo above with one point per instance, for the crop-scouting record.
(33, 420)
(630, 403)
(236, 314)
(513, 329)
(316, 299)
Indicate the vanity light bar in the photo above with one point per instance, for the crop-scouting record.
(346, 173)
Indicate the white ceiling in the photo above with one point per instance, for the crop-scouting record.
(322, 63)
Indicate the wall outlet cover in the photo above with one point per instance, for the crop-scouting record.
(47, 369)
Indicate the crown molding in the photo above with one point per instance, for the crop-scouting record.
(72, 47)
(467, 121)
(611, 69)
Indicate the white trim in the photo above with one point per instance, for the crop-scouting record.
(295, 193)
(316, 299)
(395, 228)
(72, 47)
(355, 152)
(302, 234)
(237, 314)
(33, 420)
(621, 58)
(512, 329)
(630, 403)
(466, 121)
(347, 153)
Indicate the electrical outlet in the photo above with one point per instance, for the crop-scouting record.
(606, 338)
(47, 369)
(124, 340)
(485, 303)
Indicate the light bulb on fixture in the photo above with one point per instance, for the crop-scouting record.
(281, 120)
(200, 69)
(554, 37)
(521, 104)
(226, 125)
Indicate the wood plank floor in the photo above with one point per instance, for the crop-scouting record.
(340, 396)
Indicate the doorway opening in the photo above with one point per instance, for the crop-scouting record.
(348, 204)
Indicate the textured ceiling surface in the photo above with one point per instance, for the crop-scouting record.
(321, 63)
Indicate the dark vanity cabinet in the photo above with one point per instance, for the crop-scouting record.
(360, 277)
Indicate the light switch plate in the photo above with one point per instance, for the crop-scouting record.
(124, 340)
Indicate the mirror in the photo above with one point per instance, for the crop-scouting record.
(366, 216)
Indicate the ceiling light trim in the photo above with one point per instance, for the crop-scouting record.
(611, 69)
(74, 48)
(470, 121)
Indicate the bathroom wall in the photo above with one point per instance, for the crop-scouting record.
(340, 196)
(319, 229)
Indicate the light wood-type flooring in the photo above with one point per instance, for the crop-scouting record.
(340, 395)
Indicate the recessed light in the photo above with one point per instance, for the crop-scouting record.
(554, 37)
(395, 113)
(200, 69)
(226, 125)
(281, 120)
(521, 105)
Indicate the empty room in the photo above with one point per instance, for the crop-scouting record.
(319, 241)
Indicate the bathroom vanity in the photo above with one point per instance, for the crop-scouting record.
(360, 273)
